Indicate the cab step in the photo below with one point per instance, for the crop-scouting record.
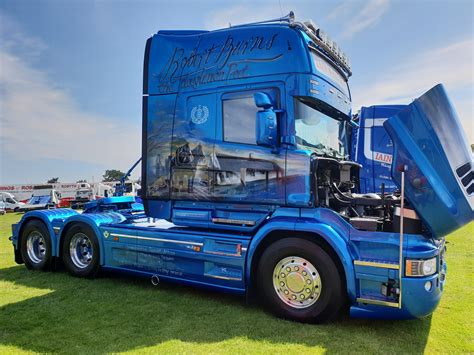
(378, 302)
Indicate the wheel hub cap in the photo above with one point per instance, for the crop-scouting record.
(36, 247)
(297, 282)
(81, 250)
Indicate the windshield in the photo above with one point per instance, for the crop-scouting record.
(321, 133)
(39, 200)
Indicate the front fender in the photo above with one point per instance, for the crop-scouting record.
(94, 221)
(323, 224)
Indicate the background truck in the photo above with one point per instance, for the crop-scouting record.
(66, 191)
(372, 147)
(43, 197)
(84, 194)
(247, 185)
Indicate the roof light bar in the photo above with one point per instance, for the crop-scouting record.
(322, 39)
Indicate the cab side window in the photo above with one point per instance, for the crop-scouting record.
(239, 120)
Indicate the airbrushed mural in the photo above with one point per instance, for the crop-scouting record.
(197, 148)
(222, 60)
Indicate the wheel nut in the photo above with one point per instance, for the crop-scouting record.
(308, 282)
(296, 268)
(282, 274)
(282, 283)
(288, 269)
(305, 273)
(286, 292)
(294, 297)
(302, 297)
(308, 290)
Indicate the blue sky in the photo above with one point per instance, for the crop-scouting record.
(71, 71)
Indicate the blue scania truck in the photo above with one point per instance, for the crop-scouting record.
(247, 186)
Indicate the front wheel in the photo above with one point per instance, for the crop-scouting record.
(298, 280)
(80, 251)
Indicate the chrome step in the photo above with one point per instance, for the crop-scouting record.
(378, 302)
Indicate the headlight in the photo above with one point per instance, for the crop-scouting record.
(420, 268)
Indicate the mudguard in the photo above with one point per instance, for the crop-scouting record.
(50, 218)
(430, 144)
(93, 220)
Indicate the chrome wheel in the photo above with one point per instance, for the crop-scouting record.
(36, 247)
(297, 282)
(80, 249)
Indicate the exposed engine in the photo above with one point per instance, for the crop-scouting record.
(337, 188)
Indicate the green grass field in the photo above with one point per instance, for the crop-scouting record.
(54, 312)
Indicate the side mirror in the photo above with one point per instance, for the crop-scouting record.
(262, 100)
(266, 122)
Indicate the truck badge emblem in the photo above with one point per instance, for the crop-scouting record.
(106, 234)
(199, 114)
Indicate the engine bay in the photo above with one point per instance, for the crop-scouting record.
(337, 188)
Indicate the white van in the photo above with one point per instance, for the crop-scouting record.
(11, 203)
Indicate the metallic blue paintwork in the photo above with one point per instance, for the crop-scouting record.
(429, 141)
(186, 156)
(372, 148)
(417, 302)
(50, 218)
(222, 257)
(225, 259)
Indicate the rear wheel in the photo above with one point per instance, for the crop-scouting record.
(298, 280)
(35, 246)
(80, 251)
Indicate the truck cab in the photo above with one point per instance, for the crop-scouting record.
(248, 188)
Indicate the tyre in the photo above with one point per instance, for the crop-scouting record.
(80, 251)
(298, 280)
(35, 246)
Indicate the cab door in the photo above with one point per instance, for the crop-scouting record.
(243, 170)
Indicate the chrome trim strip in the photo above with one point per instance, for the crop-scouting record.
(378, 302)
(244, 249)
(224, 277)
(233, 221)
(222, 253)
(376, 264)
(56, 228)
(156, 239)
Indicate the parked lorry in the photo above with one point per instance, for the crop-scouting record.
(43, 197)
(247, 187)
(84, 194)
(372, 148)
(67, 191)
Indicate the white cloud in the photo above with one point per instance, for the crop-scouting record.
(358, 16)
(450, 65)
(344, 10)
(244, 13)
(40, 120)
